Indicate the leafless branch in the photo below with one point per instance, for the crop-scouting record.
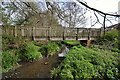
(96, 10)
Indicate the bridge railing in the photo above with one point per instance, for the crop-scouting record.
(52, 33)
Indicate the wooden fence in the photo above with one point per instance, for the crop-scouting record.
(53, 33)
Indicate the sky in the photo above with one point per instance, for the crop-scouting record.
(104, 5)
(107, 6)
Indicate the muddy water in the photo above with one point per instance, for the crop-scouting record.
(36, 69)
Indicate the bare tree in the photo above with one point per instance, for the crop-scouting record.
(106, 17)
(103, 14)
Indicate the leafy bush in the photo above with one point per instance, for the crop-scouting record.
(111, 35)
(9, 59)
(49, 49)
(115, 50)
(29, 52)
(109, 41)
(53, 48)
(11, 42)
(44, 50)
(84, 63)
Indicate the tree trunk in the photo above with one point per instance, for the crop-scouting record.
(118, 28)
(104, 25)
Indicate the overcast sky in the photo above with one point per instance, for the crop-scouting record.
(107, 6)
(104, 5)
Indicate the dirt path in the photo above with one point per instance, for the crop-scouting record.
(34, 70)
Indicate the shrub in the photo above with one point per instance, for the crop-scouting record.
(9, 59)
(86, 63)
(29, 52)
(109, 41)
(49, 49)
(53, 48)
(44, 50)
(111, 35)
(11, 42)
(115, 50)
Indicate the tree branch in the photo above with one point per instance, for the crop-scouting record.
(84, 4)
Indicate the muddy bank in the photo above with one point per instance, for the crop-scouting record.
(37, 69)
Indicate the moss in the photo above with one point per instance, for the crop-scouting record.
(71, 42)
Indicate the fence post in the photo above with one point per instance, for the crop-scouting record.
(77, 34)
(100, 32)
(22, 31)
(48, 33)
(32, 33)
(64, 33)
(88, 33)
(82, 33)
(15, 31)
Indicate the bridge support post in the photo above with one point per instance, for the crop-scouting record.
(88, 43)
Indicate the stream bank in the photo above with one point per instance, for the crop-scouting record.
(41, 68)
(36, 69)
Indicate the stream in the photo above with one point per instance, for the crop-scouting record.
(37, 69)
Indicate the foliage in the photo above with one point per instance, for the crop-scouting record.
(84, 63)
(29, 52)
(115, 50)
(11, 42)
(50, 49)
(109, 41)
(6, 40)
(71, 42)
(111, 35)
(9, 59)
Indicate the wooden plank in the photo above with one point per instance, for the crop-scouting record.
(54, 33)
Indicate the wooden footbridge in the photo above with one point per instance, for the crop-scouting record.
(48, 33)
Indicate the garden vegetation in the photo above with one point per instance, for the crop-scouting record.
(86, 63)
(17, 49)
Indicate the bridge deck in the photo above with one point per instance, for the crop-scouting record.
(55, 39)
(53, 34)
